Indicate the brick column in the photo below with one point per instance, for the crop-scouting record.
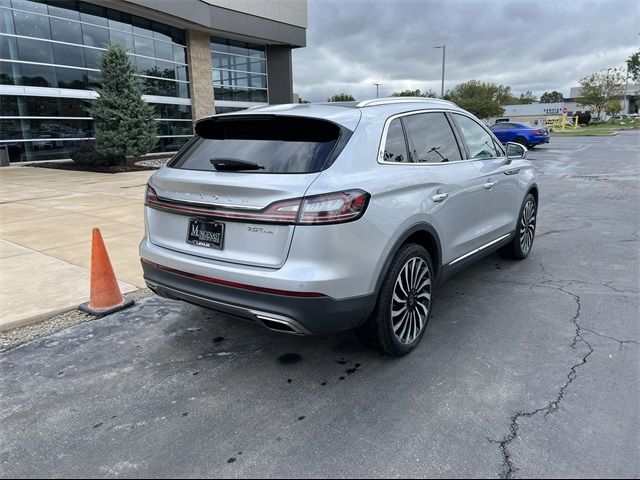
(199, 55)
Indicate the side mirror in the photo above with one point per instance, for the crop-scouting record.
(515, 151)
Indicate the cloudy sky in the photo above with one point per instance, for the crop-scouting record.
(536, 45)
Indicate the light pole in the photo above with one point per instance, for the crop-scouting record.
(444, 49)
(377, 85)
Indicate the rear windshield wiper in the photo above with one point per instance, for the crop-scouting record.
(231, 164)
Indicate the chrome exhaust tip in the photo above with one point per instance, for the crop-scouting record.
(279, 325)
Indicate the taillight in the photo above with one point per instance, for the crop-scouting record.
(333, 207)
(150, 196)
(337, 207)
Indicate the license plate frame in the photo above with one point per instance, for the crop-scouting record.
(206, 233)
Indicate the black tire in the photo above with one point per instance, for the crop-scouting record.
(378, 331)
(520, 247)
(522, 141)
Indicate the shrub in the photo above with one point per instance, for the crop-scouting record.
(86, 154)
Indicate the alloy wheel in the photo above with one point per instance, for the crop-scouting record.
(527, 226)
(411, 300)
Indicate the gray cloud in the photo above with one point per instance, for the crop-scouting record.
(527, 44)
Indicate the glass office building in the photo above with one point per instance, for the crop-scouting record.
(239, 74)
(49, 66)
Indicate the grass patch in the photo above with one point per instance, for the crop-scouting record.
(599, 129)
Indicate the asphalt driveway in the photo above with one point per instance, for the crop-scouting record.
(527, 369)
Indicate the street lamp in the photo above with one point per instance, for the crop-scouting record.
(377, 85)
(444, 48)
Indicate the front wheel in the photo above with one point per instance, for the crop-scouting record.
(522, 242)
(404, 303)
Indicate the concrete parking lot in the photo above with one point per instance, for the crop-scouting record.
(527, 369)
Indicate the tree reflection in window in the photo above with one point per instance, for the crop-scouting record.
(395, 147)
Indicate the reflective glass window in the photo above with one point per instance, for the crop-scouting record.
(37, 75)
(35, 50)
(183, 90)
(7, 46)
(68, 55)
(31, 6)
(31, 25)
(92, 57)
(124, 39)
(182, 72)
(259, 96)
(71, 78)
(165, 110)
(119, 20)
(94, 79)
(179, 54)
(220, 45)
(6, 21)
(163, 50)
(95, 36)
(395, 146)
(92, 13)
(257, 66)
(143, 46)
(58, 9)
(479, 142)
(431, 138)
(66, 31)
(258, 81)
(175, 128)
(146, 66)
(7, 73)
(142, 26)
(166, 69)
(239, 48)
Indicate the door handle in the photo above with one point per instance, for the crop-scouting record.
(440, 197)
(489, 185)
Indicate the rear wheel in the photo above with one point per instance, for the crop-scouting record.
(522, 141)
(522, 242)
(404, 303)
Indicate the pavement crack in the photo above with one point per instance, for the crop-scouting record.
(509, 469)
(621, 343)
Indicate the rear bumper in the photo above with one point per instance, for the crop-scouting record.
(302, 316)
(538, 139)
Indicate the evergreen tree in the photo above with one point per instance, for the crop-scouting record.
(124, 123)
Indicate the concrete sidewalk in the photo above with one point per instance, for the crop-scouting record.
(46, 217)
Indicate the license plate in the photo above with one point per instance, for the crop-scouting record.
(205, 234)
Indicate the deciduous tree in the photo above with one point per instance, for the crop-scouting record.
(341, 97)
(633, 66)
(600, 87)
(484, 100)
(415, 93)
(551, 97)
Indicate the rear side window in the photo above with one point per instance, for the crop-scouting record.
(395, 147)
(431, 139)
(280, 144)
(478, 140)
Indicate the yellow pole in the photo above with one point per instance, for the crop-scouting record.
(564, 121)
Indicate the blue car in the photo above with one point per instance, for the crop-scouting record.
(520, 133)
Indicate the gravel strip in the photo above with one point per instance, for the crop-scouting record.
(17, 336)
(154, 162)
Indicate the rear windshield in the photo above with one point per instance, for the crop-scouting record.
(280, 144)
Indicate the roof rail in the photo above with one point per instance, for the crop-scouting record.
(391, 100)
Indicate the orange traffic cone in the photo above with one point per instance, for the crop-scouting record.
(105, 293)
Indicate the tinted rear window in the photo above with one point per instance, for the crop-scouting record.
(281, 144)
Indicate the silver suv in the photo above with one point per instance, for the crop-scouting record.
(316, 218)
